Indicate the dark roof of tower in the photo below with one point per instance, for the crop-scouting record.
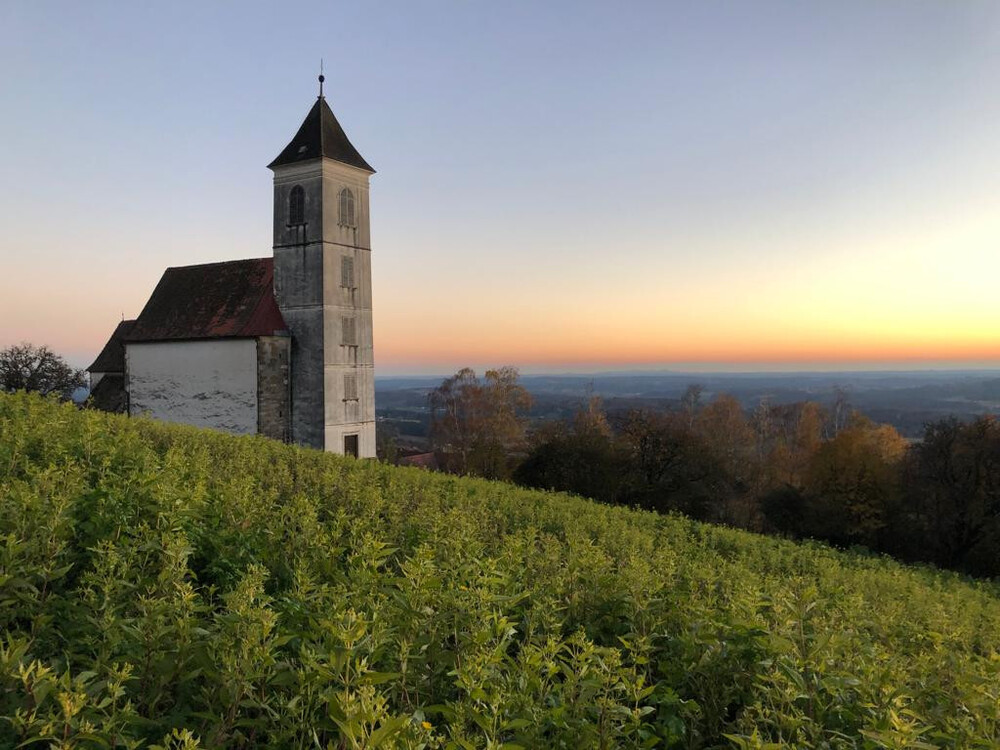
(320, 135)
(234, 299)
(112, 356)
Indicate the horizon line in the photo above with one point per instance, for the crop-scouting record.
(886, 370)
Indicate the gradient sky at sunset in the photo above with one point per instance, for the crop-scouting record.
(561, 186)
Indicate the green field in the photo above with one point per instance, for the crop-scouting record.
(165, 586)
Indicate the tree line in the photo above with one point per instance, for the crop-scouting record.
(802, 470)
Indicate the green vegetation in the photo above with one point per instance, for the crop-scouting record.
(794, 470)
(167, 587)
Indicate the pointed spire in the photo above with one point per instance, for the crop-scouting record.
(320, 135)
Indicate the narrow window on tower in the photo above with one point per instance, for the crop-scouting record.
(347, 272)
(346, 208)
(348, 333)
(297, 205)
(350, 386)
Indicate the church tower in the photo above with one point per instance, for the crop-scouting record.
(322, 282)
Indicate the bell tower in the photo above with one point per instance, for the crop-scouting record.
(322, 281)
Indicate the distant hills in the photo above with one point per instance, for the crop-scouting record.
(905, 399)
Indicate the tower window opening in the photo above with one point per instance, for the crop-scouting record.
(350, 386)
(347, 272)
(347, 208)
(297, 205)
(348, 332)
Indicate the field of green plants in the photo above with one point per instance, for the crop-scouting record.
(166, 587)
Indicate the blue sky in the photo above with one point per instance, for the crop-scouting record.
(560, 185)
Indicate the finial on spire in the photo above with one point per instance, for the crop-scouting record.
(321, 78)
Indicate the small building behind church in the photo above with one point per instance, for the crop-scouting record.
(107, 373)
(279, 346)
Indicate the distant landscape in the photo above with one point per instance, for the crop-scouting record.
(907, 400)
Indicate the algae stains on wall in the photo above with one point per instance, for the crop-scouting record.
(274, 387)
(209, 383)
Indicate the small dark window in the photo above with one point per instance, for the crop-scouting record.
(347, 272)
(348, 331)
(351, 445)
(350, 386)
(297, 205)
(347, 208)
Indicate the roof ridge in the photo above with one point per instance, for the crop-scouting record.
(219, 263)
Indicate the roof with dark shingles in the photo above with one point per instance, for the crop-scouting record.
(422, 460)
(233, 299)
(112, 356)
(321, 135)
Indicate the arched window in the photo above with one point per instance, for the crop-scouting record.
(346, 208)
(297, 205)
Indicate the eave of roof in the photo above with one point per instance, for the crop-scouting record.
(320, 135)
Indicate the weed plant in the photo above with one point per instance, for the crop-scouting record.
(168, 587)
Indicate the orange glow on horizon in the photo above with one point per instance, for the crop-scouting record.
(810, 344)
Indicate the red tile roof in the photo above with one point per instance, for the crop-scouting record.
(421, 460)
(234, 299)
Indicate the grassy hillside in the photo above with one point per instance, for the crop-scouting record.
(172, 587)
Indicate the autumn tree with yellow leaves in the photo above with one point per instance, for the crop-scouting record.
(477, 424)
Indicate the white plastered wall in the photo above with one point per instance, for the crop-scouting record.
(211, 383)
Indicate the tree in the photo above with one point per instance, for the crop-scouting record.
(476, 425)
(672, 467)
(852, 484)
(952, 487)
(724, 428)
(840, 412)
(807, 437)
(796, 432)
(783, 508)
(691, 400)
(24, 367)
(579, 455)
(590, 419)
(456, 418)
(387, 440)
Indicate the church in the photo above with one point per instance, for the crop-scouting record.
(278, 346)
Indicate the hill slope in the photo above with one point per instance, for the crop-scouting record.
(159, 580)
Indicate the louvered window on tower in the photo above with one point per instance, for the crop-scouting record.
(350, 386)
(347, 272)
(349, 335)
(297, 205)
(346, 208)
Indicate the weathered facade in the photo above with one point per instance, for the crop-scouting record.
(274, 393)
(211, 349)
(208, 383)
(322, 267)
(278, 346)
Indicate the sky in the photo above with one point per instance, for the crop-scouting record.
(561, 186)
